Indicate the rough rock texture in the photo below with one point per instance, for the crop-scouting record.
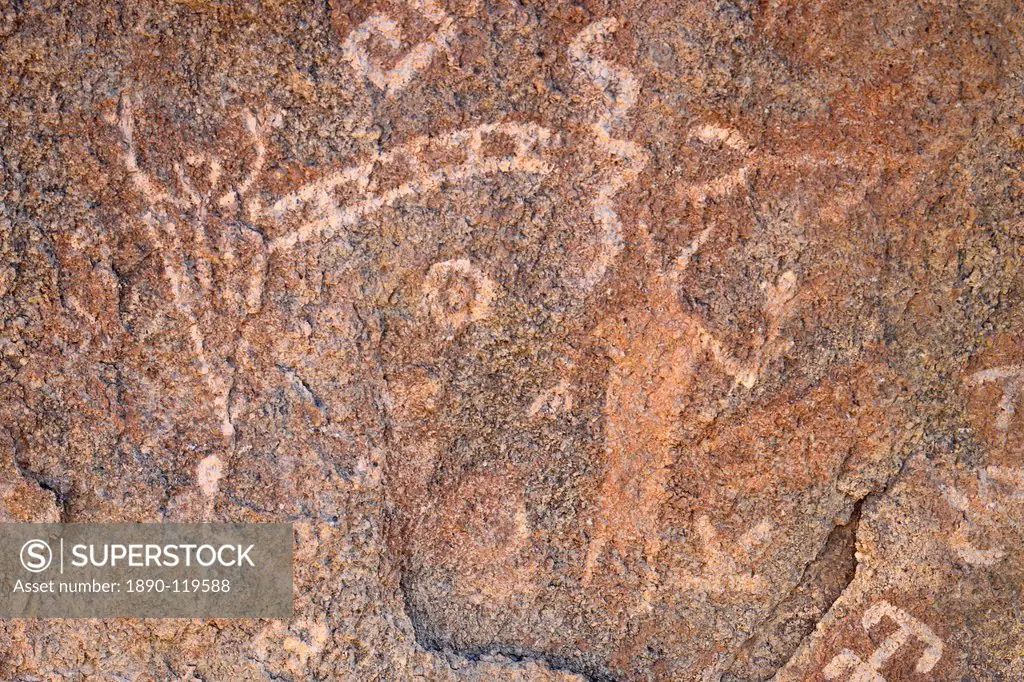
(633, 340)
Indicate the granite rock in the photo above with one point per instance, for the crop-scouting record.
(633, 341)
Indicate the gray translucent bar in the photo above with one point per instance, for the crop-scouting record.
(145, 570)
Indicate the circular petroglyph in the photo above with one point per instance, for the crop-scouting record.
(456, 292)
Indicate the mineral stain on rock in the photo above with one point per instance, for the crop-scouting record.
(608, 341)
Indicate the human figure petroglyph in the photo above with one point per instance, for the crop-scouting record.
(848, 665)
(654, 364)
(638, 463)
(638, 466)
(414, 61)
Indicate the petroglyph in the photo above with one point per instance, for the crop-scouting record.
(997, 486)
(342, 198)
(324, 214)
(848, 665)
(176, 222)
(1012, 379)
(640, 430)
(727, 139)
(417, 59)
(456, 292)
(959, 541)
(558, 398)
(193, 249)
(713, 135)
(647, 378)
(727, 567)
(620, 89)
(655, 362)
(422, 317)
(209, 471)
(618, 85)
(159, 198)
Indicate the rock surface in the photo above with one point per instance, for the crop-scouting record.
(600, 341)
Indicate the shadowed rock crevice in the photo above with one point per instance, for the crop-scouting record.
(429, 640)
(822, 583)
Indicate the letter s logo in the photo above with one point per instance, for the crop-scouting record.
(36, 556)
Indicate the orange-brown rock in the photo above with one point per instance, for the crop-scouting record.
(623, 341)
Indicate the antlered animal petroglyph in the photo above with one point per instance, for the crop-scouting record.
(178, 221)
(322, 215)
